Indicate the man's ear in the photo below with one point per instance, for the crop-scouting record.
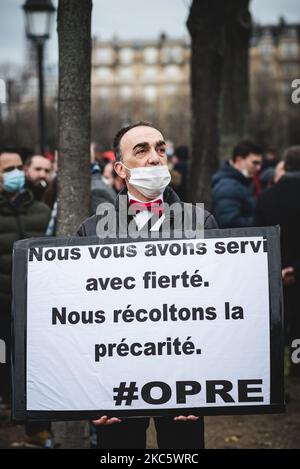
(120, 170)
(238, 160)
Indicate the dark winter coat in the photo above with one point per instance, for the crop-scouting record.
(280, 205)
(232, 200)
(19, 219)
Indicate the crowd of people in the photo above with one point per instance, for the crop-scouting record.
(255, 187)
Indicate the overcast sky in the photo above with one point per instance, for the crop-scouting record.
(127, 19)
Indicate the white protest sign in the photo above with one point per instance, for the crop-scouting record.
(148, 325)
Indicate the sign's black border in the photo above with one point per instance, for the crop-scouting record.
(19, 324)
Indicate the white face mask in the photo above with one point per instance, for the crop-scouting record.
(150, 181)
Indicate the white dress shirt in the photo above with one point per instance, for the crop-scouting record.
(144, 216)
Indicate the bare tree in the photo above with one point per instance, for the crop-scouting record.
(235, 74)
(206, 27)
(74, 35)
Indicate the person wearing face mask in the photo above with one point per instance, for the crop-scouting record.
(141, 161)
(20, 217)
(233, 201)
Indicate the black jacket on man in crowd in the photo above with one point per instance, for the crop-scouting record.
(280, 205)
(20, 218)
(232, 200)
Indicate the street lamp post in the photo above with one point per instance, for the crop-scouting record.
(38, 16)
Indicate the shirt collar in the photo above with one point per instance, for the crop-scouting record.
(130, 197)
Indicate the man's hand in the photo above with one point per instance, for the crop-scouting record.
(184, 418)
(288, 276)
(104, 420)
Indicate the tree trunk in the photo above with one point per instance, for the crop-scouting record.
(206, 27)
(235, 75)
(74, 102)
(74, 35)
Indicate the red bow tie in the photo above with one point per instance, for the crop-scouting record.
(155, 207)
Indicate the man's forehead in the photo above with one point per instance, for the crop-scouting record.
(10, 158)
(38, 160)
(141, 134)
(254, 155)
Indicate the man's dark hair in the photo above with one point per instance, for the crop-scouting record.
(244, 148)
(182, 153)
(28, 161)
(22, 151)
(292, 158)
(122, 132)
(10, 150)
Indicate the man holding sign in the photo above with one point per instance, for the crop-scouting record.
(141, 157)
(123, 328)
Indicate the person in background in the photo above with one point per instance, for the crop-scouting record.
(180, 165)
(280, 205)
(270, 158)
(176, 177)
(279, 171)
(100, 156)
(101, 189)
(21, 216)
(232, 193)
(271, 175)
(38, 175)
(108, 173)
(118, 182)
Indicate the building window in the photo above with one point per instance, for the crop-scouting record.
(286, 88)
(104, 73)
(150, 93)
(291, 32)
(150, 55)
(126, 92)
(265, 67)
(290, 69)
(172, 72)
(126, 55)
(288, 49)
(266, 50)
(150, 73)
(125, 73)
(172, 54)
(170, 90)
(104, 56)
(103, 92)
